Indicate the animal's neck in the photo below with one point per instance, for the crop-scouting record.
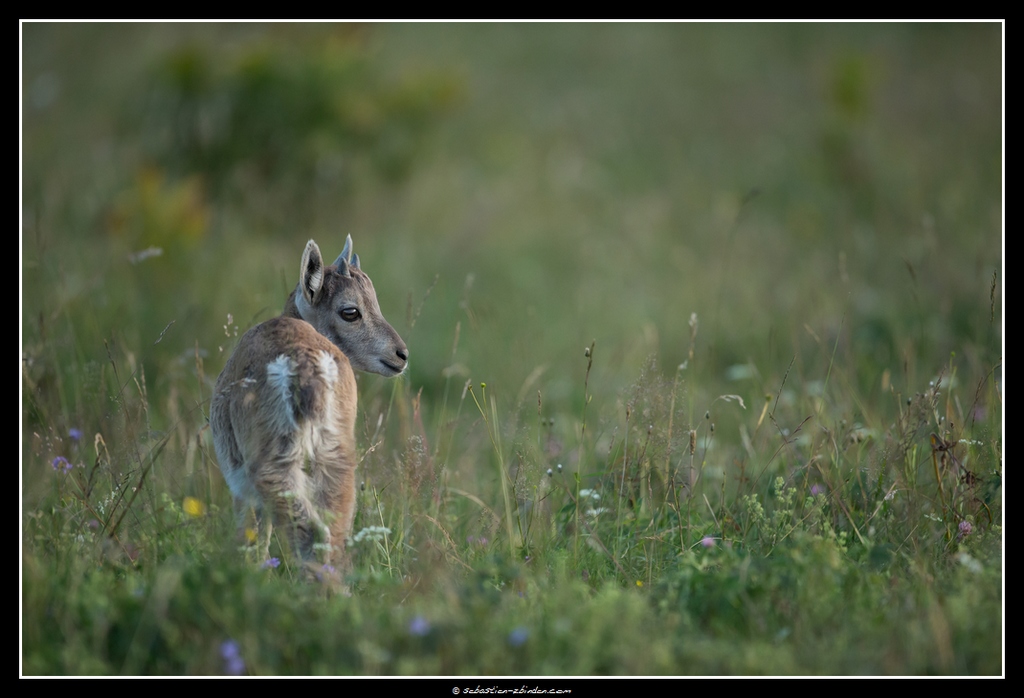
(290, 307)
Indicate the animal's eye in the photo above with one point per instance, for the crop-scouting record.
(350, 314)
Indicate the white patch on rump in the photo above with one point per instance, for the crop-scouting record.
(328, 369)
(280, 372)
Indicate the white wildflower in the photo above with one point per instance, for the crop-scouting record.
(373, 533)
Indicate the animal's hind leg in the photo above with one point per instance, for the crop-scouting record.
(344, 508)
(293, 510)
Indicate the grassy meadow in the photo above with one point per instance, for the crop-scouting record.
(705, 326)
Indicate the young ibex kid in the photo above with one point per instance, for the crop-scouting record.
(284, 409)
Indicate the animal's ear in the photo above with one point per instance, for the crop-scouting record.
(311, 275)
(346, 258)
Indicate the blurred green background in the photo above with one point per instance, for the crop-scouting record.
(548, 184)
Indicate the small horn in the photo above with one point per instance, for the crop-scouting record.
(346, 253)
(345, 258)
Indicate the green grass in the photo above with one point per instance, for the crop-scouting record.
(705, 325)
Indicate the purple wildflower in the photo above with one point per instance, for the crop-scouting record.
(272, 562)
(234, 665)
(327, 573)
(707, 542)
(75, 434)
(816, 490)
(965, 529)
(61, 464)
(518, 637)
(419, 626)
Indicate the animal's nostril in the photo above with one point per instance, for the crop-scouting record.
(403, 354)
